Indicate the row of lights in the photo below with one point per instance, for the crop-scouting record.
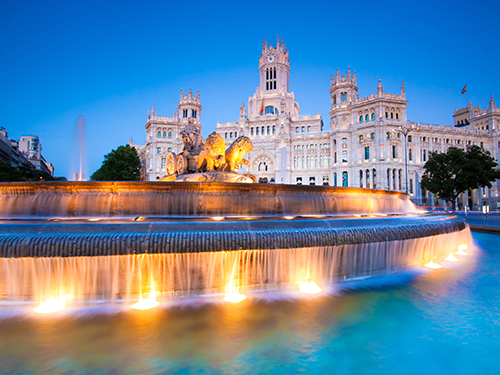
(449, 258)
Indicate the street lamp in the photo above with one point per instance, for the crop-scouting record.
(405, 130)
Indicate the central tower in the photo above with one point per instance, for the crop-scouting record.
(274, 67)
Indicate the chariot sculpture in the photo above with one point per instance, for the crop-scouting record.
(210, 160)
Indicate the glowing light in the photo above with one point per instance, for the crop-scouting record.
(309, 287)
(461, 249)
(139, 218)
(94, 219)
(218, 218)
(433, 265)
(451, 258)
(232, 289)
(289, 217)
(147, 303)
(49, 306)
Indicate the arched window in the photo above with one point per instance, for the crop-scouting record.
(334, 99)
(411, 186)
(274, 129)
(308, 129)
(231, 135)
(225, 135)
(367, 153)
(410, 155)
(374, 177)
(159, 134)
(389, 179)
(392, 114)
(295, 162)
(169, 149)
(263, 128)
(170, 134)
(366, 118)
(297, 130)
(251, 131)
(343, 97)
(409, 138)
(335, 179)
(386, 115)
(257, 131)
(397, 116)
(344, 140)
(373, 116)
(361, 118)
(268, 130)
(158, 150)
(373, 136)
(193, 113)
(361, 179)
(424, 155)
(303, 129)
(302, 165)
(164, 134)
(307, 162)
(367, 178)
(361, 138)
(344, 156)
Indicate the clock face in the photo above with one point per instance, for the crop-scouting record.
(270, 58)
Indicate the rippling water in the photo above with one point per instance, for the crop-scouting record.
(442, 321)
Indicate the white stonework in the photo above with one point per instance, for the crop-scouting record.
(163, 135)
(362, 148)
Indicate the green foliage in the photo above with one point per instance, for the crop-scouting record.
(456, 171)
(25, 172)
(122, 164)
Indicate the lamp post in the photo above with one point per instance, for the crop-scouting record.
(405, 130)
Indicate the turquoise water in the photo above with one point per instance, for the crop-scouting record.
(425, 321)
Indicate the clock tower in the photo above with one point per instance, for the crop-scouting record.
(274, 68)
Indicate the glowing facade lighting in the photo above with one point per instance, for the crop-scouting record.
(218, 218)
(234, 297)
(289, 217)
(145, 303)
(49, 306)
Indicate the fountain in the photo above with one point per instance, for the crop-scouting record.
(205, 229)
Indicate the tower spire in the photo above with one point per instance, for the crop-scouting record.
(380, 88)
(492, 103)
(403, 90)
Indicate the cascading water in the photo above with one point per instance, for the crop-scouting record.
(79, 151)
(142, 240)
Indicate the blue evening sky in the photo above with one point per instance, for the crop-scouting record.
(109, 61)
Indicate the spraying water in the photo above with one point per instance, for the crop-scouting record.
(79, 151)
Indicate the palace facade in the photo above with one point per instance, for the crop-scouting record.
(363, 147)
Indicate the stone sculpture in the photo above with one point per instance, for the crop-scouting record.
(210, 161)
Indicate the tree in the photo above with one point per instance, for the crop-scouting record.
(122, 164)
(25, 172)
(452, 173)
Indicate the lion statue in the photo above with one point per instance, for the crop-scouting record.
(235, 154)
(213, 154)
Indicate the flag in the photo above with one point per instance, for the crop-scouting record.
(261, 109)
(464, 89)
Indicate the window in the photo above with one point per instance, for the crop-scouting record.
(263, 129)
(193, 113)
(397, 116)
(158, 150)
(482, 144)
(303, 129)
(251, 131)
(373, 136)
(361, 138)
(268, 130)
(344, 156)
(411, 186)
(344, 140)
(270, 110)
(366, 118)
(360, 179)
(235, 134)
(225, 135)
(399, 179)
(344, 179)
(392, 114)
(163, 163)
(257, 131)
(298, 180)
(367, 153)
(374, 177)
(388, 135)
(373, 116)
(185, 113)
(231, 135)
(343, 97)
(274, 129)
(367, 178)
(410, 156)
(312, 180)
(361, 118)
(170, 134)
(335, 156)
(394, 153)
(164, 134)
(169, 149)
(335, 179)
(308, 129)
(409, 138)
(297, 130)
(389, 179)
(295, 162)
(424, 155)
(159, 134)
(386, 115)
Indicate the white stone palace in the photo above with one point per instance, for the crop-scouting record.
(364, 146)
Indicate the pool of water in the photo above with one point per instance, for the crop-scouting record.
(424, 321)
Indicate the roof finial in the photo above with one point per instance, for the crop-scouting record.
(492, 103)
(380, 88)
(403, 89)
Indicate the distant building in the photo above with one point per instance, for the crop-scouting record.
(162, 135)
(362, 148)
(27, 150)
